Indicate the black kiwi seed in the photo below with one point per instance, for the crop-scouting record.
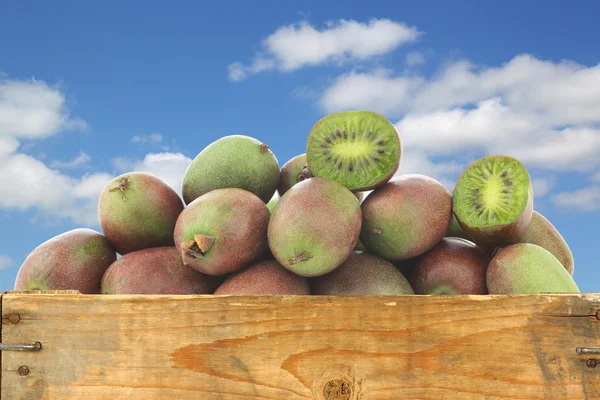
(376, 159)
(345, 135)
(369, 134)
(473, 199)
(380, 143)
(328, 140)
(338, 134)
(477, 206)
(324, 146)
(328, 158)
(475, 191)
(505, 191)
(353, 135)
(339, 165)
(380, 151)
(507, 183)
(350, 166)
(326, 153)
(504, 174)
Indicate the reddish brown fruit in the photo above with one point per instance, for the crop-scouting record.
(314, 227)
(222, 231)
(74, 260)
(363, 274)
(157, 270)
(293, 171)
(265, 278)
(138, 211)
(454, 266)
(541, 232)
(406, 217)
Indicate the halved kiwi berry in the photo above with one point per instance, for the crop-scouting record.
(493, 200)
(359, 149)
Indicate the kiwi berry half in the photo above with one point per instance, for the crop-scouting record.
(493, 200)
(359, 149)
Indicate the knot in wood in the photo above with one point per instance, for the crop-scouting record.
(337, 389)
(14, 318)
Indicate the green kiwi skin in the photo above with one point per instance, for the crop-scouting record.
(381, 181)
(500, 235)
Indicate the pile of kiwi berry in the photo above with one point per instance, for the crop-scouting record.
(338, 219)
(349, 223)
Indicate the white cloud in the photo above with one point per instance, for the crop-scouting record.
(364, 91)
(299, 45)
(415, 58)
(587, 199)
(8, 145)
(28, 184)
(81, 159)
(32, 109)
(170, 167)
(542, 186)
(596, 177)
(491, 126)
(154, 138)
(6, 262)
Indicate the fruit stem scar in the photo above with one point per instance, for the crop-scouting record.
(192, 249)
(264, 148)
(378, 232)
(302, 256)
(122, 184)
(204, 242)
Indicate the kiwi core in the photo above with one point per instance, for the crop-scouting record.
(493, 191)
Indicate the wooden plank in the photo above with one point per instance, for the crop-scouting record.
(302, 347)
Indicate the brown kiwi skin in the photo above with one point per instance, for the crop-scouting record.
(544, 234)
(392, 172)
(456, 263)
(500, 235)
(293, 171)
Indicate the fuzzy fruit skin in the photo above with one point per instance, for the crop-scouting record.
(264, 278)
(541, 232)
(236, 219)
(319, 217)
(157, 270)
(500, 235)
(145, 218)
(406, 217)
(290, 172)
(454, 266)
(363, 274)
(234, 161)
(74, 260)
(526, 268)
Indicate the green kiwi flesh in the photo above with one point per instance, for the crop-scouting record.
(359, 149)
(493, 201)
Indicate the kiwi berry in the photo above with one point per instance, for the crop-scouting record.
(493, 201)
(359, 149)
(543, 233)
(293, 171)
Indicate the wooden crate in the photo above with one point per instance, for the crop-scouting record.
(300, 347)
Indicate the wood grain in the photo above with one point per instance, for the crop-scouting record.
(301, 347)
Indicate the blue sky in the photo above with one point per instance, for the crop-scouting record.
(88, 91)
